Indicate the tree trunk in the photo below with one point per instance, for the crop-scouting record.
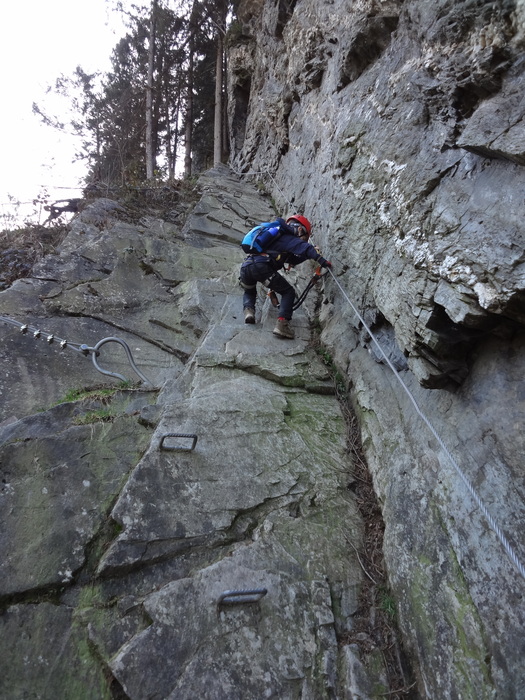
(175, 147)
(217, 127)
(218, 133)
(188, 131)
(150, 140)
(225, 135)
(169, 135)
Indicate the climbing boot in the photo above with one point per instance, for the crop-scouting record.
(273, 298)
(249, 315)
(283, 330)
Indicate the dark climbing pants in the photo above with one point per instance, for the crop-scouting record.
(253, 272)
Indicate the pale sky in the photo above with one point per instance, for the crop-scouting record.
(39, 40)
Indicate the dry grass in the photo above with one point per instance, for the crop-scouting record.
(21, 248)
(375, 622)
(375, 628)
(170, 200)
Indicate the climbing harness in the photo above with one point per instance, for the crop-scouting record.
(300, 298)
(83, 349)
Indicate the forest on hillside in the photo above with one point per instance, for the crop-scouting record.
(159, 112)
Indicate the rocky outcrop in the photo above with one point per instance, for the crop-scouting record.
(132, 511)
(136, 518)
(385, 130)
(395, 126)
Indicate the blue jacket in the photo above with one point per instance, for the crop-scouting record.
(288, 249)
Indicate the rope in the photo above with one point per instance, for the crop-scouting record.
(490, 519)
(301, 298)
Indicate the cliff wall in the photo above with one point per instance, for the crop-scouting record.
(398, 128)
(138, 516)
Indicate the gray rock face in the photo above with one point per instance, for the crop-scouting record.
(128, 513)
(383, 131)
(396, 128)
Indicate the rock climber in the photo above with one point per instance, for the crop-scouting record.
(291, 247)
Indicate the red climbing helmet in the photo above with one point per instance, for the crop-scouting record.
(303, 221)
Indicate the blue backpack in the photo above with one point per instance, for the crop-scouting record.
(261, 237)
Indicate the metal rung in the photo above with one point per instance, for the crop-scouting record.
(243, 596)
(178, 448)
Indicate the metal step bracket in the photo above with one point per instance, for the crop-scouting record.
(177, 447)
(239, 597)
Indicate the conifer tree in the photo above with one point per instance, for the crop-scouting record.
(150, 150)
(220, 21)
(165, 87)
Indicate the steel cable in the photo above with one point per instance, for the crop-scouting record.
(470, 488)
(490, 519)
(83, 349)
